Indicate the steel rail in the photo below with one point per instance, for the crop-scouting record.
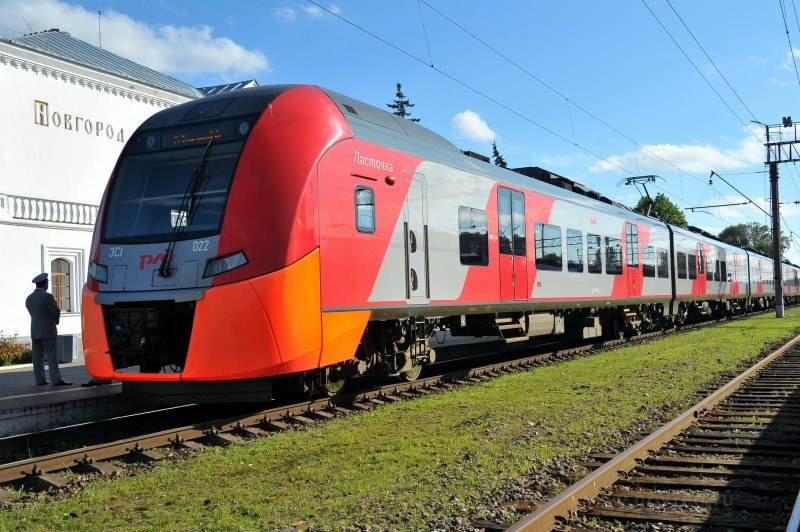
(565, 506)
(306, 412)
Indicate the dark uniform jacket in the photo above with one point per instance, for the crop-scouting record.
(44, 314)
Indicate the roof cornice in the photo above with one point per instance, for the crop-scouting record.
(43, 64)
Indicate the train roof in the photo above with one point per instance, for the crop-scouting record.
(381, 127)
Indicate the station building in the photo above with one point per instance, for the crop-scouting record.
(68, 109)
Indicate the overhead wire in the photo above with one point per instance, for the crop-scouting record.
(698, 70)
(514, 111)
(791, 49)
(712, 61)
(789, 38)
(580, 107)
(558, 92)
(470, 88)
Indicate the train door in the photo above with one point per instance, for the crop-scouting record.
(416, 236)
(511, 233)
(632, 255)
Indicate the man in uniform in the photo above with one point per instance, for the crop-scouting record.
(44, 317)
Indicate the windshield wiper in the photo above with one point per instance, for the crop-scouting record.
(186, 210)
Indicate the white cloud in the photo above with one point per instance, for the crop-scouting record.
(286, 13)
(314, 11)
(688, 157)
(289, 14)
(790, 58)
(471, 125)
(181, 50)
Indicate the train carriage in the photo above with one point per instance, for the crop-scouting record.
(290, 237)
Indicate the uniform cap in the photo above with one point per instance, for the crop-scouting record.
(42, 277)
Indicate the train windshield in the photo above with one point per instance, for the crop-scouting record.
(147, 197)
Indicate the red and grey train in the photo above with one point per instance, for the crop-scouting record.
(289, 236)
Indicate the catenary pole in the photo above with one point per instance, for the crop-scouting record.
(776, 239)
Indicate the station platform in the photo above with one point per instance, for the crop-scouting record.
(25, 407)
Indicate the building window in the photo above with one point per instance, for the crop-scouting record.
(574, 250)
(648, 261)
(663, 263)
(365, 209)
(613, 256)
(548, 246)
(594, 250)
(60, 280)
(473, 236)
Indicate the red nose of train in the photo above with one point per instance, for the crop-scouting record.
(264, 317)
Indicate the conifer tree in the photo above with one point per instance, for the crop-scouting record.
(498, 159)
(401, 105)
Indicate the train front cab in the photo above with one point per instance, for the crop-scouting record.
(249, 286)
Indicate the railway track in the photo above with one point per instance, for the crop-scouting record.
(56, 472)
(730, 462)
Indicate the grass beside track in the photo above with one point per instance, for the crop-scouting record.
(403, 466)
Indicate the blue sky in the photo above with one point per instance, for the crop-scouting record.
(610, 59)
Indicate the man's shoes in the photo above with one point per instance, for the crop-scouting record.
(63, 383)
(45, 383)
(93, 382)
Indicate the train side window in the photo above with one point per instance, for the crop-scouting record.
(716, 272)
(632, 245)
(663, 263)
(473, 236)
(648, 261)
(518, 222)
(365, 209)
(613, 256)
(681, 265)
(701, 260)
(710, 269)
(595, 254)
(726, 276)
(692, 260)
(504, 225)
(548, 246)
(574, 251)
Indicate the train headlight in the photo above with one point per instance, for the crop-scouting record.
(98, 272)
(224, 264)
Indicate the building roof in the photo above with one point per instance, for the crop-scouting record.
(219, 89)
(61, 44)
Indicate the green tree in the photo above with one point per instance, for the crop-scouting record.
(498, 159)
(401, 105)
(753, 235)
(663, 208)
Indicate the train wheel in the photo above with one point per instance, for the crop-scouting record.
(331, 387)
(413, 373)
(614, 327)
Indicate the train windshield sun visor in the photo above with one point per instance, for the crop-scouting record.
(147, 202)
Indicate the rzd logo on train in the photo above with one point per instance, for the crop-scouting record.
(146, 260)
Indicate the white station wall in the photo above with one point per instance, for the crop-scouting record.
(62, 128)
